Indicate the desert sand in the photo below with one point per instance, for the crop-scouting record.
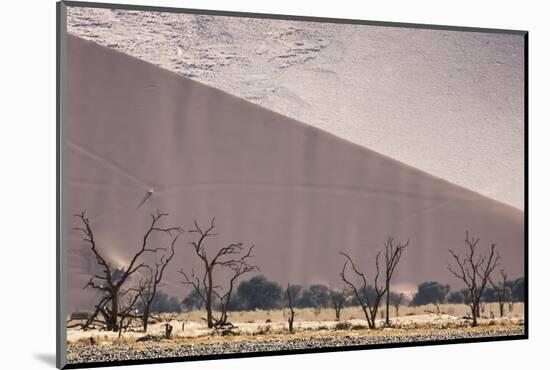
(391, 89)
(299, 194)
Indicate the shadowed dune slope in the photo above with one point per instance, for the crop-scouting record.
(299, 194)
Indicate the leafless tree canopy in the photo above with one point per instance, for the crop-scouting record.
(392, 255)
(474, 269)
(232, 257)
(153, 282)
(369, 305)
(116, 299)
(338, 298)
(396, 300)
(371, 302)
(501, 291)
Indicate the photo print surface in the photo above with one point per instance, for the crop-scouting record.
(239, 184)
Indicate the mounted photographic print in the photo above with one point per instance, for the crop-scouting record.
(234, 184)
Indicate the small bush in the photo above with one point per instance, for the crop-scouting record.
(263, 330)
(343, 326)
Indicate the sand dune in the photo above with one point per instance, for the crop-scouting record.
(393, 89)
(299, 194)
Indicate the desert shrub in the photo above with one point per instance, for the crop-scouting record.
(162, 303)
(518, 290)
(359, 327)
(456, 297)
(344, 325)
(316, 296)
(192, 301)
(430, 292)
(263, 330)
(259, 293)
(489, 295)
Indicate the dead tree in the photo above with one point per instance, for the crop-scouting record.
(392, 256)
(369, 305)
(127, 299)
(501, 291)
(127, 311)
(290, 309)
(396, 300)
(110, 282)
(151, 285)
(232, 257)
(474, 270)
(338, 299)
(237, 269)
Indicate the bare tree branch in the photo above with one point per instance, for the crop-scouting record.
(392, 256)
(116, 300)
(338, 299)
(474, 271)
(232, 257)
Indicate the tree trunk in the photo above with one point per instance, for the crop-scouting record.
(373, 318)
(145, 319)
(367, 316)
(208, 302)
(388, 303)
(291, 322)
(114, 312)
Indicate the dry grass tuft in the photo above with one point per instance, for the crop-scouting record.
(343, 325)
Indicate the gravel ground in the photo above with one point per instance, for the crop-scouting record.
(149, 350)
